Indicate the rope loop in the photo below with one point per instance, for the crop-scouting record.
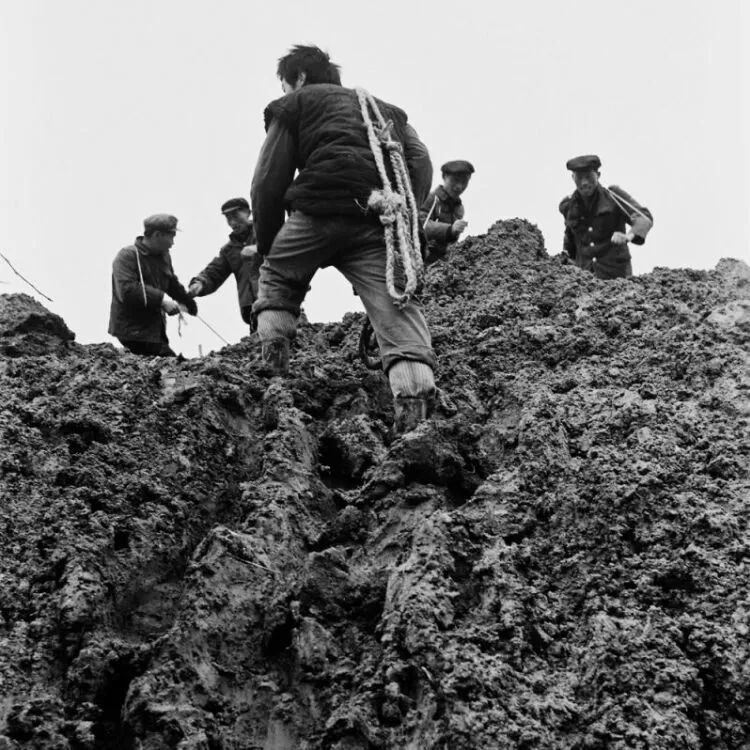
(396, 207)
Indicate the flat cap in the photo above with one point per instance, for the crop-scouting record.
(457, 166)
(235, 204)
(160, 223)
(588, 163)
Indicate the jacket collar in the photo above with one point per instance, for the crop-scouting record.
(143, 249)
(238, 238)
(442, 194)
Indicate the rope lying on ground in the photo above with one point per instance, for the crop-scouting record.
(25, 279)
(397, 208)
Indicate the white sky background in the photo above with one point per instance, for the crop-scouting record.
(111, 111)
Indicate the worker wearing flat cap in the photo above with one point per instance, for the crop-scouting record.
(442, 214)
(142, 276)
(596, 236)
(239, 256)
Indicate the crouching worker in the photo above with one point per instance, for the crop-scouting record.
(596, 239)
(442, 214)
(238, 256)
(141, 276)
(336, 204)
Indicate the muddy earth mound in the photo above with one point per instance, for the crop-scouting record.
(195, 556)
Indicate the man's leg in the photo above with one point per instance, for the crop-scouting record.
(148, 348)
(299, 249)
(405, 344)
(247, 310)
(249, 317)
(613, 270)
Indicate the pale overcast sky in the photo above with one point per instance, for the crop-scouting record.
(116, 110)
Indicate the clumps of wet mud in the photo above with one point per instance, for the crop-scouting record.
(29, 329)
(194, 556)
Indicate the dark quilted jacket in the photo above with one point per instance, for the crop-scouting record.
(336, 168)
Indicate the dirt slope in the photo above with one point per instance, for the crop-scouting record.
(194, 556)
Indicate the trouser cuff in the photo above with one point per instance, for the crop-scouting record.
(410, 378)
(273, 324)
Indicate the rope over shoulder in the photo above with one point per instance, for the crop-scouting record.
(396, 207)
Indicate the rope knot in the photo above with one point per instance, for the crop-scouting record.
(383, 132)
(387, 204)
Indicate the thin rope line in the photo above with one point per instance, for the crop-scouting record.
(620, 200)
(140, 273)
(25, 279)
(429, 215)
(213, 330)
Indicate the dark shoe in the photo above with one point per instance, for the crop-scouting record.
(275, 354)
(409, 411)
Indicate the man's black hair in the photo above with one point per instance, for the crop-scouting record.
(310, 60)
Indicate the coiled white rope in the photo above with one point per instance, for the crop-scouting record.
(398, 210)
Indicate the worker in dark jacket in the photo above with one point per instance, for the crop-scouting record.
(238, 256)
(141, 276)
(595, 217)
(319, 130)
(442, 214)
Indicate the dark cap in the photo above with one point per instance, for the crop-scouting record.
(235, 204)
(457, 166)
(160, 223)
(589, 163)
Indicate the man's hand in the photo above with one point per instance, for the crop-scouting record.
(169, 306)
(195, 288)
(458, 226)
(189, 306)
(249, 251)
(620, 238)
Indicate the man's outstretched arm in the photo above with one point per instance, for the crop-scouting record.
(639, 217)
(419, 165)
(274, 172)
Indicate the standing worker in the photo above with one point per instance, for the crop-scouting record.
(142, 274)
(238, 256)
(595, 219)
(442, 214)
(342, 214)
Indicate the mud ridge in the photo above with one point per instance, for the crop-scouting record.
(195, 556)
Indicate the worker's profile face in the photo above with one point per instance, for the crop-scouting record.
(238, 220)
(586, 182)
(163, 241)
(455, 184)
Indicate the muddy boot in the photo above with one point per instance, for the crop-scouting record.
(409, 411)
(275, 354)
